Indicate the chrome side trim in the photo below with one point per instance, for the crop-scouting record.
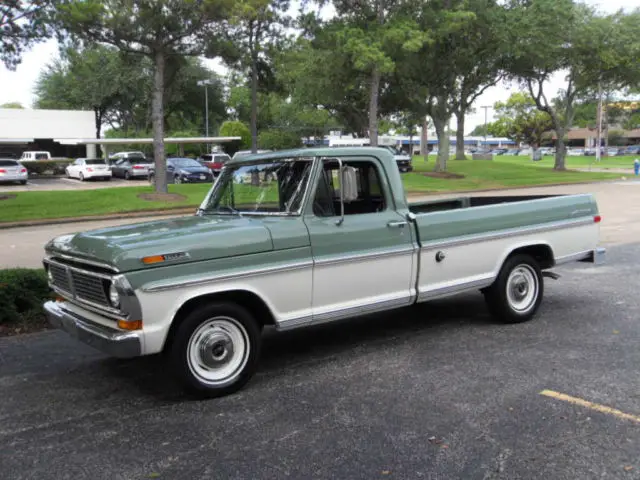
(512, 232)
(387, 252)
(454, 289)
(575, 257)
(350, 312)
(161, 286)
(81, 260)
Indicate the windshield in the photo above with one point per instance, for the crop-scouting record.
(8, 163)
(185, 162)
(275, 187)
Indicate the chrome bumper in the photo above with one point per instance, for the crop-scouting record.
(597, 256)
(110, 341)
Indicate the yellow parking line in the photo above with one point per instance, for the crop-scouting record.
(593, 406)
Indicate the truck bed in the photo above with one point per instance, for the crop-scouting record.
(470, 202)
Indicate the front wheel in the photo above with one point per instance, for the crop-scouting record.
(215, 349)
(177, 179)
(517, 292)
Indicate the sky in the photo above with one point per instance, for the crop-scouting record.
(18, 85)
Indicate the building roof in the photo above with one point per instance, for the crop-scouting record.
(25, 125)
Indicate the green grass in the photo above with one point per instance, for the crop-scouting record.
(571, 162)
(479, 174)
(498, 173)
(62, 204)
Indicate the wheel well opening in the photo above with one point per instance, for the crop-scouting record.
(249, 300)
(541, 253)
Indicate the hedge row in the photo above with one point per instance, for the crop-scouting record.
(23, 291)
(47, 167)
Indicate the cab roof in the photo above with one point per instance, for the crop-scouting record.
(379, 152)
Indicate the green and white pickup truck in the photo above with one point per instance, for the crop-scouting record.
(297, 238)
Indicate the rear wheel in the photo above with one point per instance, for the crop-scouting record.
(152, 179)
(81, 177)
(127, 175)
(23, 182)
(215, 349)
(517, 292)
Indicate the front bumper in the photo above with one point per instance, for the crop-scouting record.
(110, 341)
(197, 178)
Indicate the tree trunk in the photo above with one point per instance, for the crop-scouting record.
(560, 150)
(424, 138)
(157, 121)
(97, 112)
(254, 105)
(373, 107)
(460, 137)
(443, 144)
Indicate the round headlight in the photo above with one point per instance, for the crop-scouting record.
(114, 296)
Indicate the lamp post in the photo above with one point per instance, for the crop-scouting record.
(205, 83)
(486, 108)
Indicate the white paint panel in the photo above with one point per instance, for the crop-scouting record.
(481, 260)
(286, 293)
(356, 282)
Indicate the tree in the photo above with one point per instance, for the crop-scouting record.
(16, 105)
(22, 23)
(158, 30)
(278, 140)
(479, 61)
(92, 79)
(551, 36)
(480, 131)
(520, 120)
(259, 25)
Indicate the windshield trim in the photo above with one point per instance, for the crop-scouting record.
(305, 197)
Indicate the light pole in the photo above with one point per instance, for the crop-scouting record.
(205, 83)
(486, 108)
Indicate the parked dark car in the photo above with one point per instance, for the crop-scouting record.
(131, 167)
(184, 170)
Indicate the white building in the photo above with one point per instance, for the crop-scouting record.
(55, 131)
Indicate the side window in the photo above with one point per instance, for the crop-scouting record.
(363, 190)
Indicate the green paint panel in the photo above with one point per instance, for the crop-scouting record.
(203, 238)
(466, 220)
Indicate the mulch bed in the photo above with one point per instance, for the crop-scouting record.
(7, 196)
(162, 197)
(20, 328)
(445, 175)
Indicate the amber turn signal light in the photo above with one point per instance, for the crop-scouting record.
(130, 324)
(153, 259)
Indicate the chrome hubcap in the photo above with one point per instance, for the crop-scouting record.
(522, 288)
(218, 351)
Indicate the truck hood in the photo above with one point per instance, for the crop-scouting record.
(193, 238)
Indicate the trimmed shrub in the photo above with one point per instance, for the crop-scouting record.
(22, 294)
(235, 128)
(47, 167)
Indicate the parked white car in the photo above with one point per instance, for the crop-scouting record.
(86, 168)
(13, 171)
(575, 152)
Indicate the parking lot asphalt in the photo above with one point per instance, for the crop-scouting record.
(437, 391)
(47, 184)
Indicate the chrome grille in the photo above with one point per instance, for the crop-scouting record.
(60, 278)
(89, 288)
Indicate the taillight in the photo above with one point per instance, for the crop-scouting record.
(2, 170)
(89, 169)
(138, 167)
(24, 170)
(597, 219)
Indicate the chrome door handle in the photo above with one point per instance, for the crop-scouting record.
(396, 224)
